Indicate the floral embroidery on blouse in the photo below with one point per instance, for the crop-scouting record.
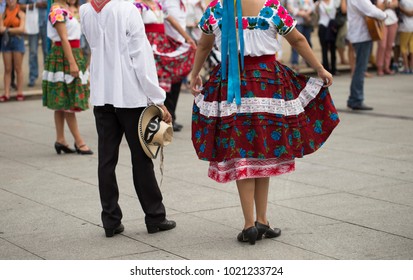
(142, 6)
(272, 13)
(58, 14)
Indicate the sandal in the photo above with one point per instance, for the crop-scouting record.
(4, 98)
(20, 97)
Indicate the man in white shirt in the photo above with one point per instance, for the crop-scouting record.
(359, 37)
(123, 80)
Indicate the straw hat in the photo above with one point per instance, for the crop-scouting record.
(153, 132)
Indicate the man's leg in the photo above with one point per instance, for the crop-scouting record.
(109, 137)
(362, 51)
(33, 41)
(144, 179)
(171, 102)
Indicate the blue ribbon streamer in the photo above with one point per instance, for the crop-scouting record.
(229, 50)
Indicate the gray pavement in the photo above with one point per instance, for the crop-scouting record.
(353, 199)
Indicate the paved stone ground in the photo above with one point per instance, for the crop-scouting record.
(353, 199)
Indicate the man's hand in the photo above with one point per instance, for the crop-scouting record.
(166, 115)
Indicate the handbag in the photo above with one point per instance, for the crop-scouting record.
(5, 39)
(340, 18)
(375, 28)
(332, 30)
(32, 20)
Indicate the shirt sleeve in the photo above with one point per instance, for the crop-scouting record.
(283, 21)
(143, 61)
(370, 10)
(57, 14)
(205, 24)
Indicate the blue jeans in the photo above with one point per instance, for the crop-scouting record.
(362, 51)
(33, 41)
(306, 31)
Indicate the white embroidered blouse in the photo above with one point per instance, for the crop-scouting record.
(260, 32)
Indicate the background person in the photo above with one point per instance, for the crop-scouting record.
(65, 80)
(12, 27)
(385, 45)
(174, 49)
(33, 39)
(359, 37)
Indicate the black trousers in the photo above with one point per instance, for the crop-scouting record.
(111, 124)
(327, 46)
(172, 99)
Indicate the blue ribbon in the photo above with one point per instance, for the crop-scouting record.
(229, 50)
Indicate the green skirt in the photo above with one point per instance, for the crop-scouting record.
(61, 91)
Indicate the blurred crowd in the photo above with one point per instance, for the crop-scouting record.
(21, 34)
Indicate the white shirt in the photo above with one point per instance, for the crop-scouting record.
(327, 12)
(295, 6)
(407, 22)
(356, 12)
(174, 9)
(391, 15)
(257, 41)
(122, 69)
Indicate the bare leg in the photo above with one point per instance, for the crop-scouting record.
(74, 129)
(18, 67)
(246, 190)
(342, 57)
(8, 62)
(59, 119)
(261, 199)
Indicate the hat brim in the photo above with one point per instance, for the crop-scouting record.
(152, 149)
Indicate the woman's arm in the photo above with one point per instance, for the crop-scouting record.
(181, 31)
(62, 31)
(299, 43)
(20, 29)
(205, 45)
(343, 6)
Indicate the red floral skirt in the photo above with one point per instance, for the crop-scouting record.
(173, 59)
(283, 115)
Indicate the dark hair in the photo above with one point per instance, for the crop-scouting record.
(76, 3)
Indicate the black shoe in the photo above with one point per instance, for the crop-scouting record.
(30, 84)
(60, 147)
(266, 231)
(79, 151)
(13, 86)
(248, 235)
(162, 226)
(361, 107)
(112, 232)
(177, 127)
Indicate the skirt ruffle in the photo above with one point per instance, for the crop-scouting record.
(61, 91)
(173, 59)
(283, 115)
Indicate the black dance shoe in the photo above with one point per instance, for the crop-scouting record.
(112, 232)
(361, 107)
(266, 231)
(248, 235)
(162, 226)
(177, 127)
(79, 151)
(60, 147)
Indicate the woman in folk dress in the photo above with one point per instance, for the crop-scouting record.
(252, 126)
(65, 78)
(173, 59)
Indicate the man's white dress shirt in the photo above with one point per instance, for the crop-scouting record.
(122, 68)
